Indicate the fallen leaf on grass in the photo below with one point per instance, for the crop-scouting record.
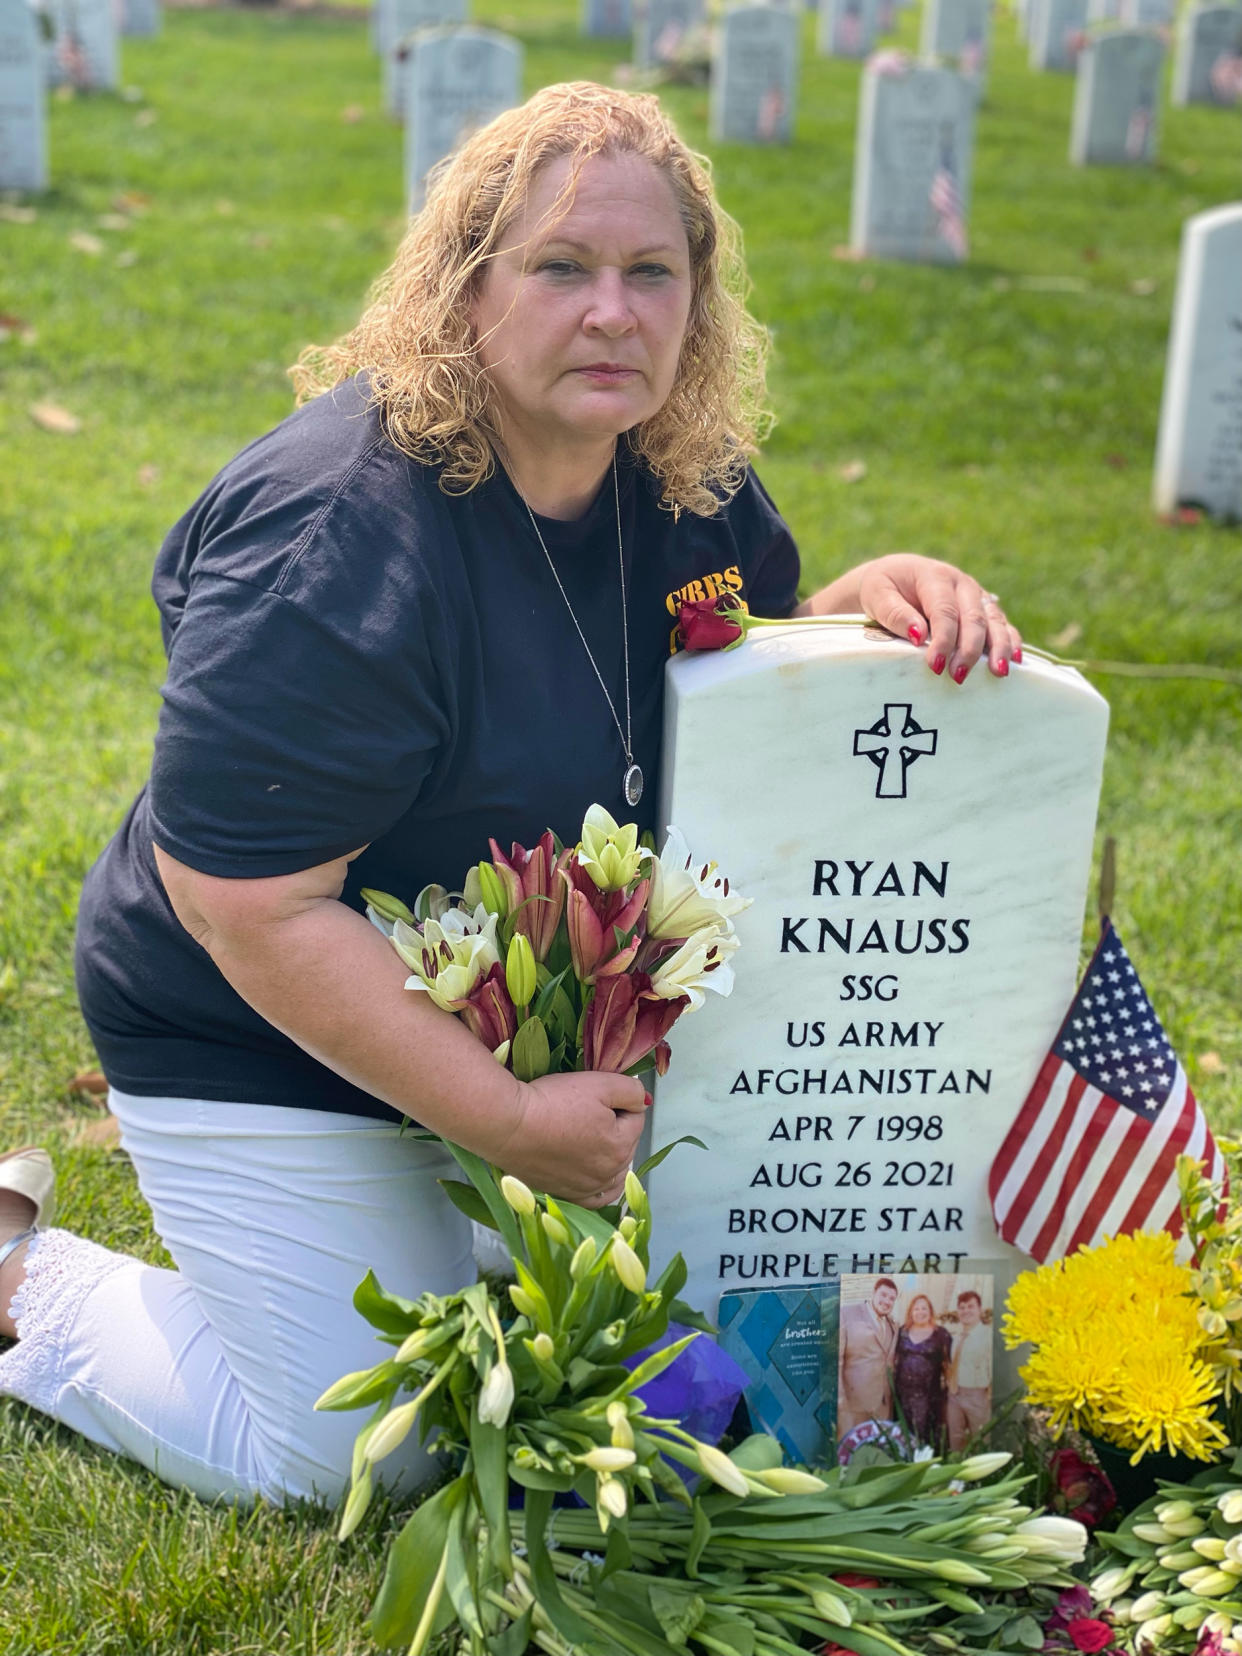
(88, 1084)
(12, 214)
(11, 326)
(52, 417)
(1143, 285)
(145, 118)
(1117, 461)
(847, 255)
(259, 240)
(1211, 1063)
(853, 471)
(352, 114)
(148, 475)
(112, 221)
(1067, 636)
(1091, 255)
(131, 201)
(83, 242)
(104, 1134)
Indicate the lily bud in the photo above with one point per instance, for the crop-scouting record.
(1062, 1538)
(1110, 1582)
(628, 1227)
(1172, 1512)
(1209, 1546)
(555, 1229)
(619, 1425)
(392, 1431)
(1216, 1584)
(831, 1608)
(608, 1459)
(356, 1506)
(957, 1570)
(982, 1466)
(1148, 1605)
(611, 1496)
(1230, 1506)
(1150, 1632)
(720, 1469)
(788, 1480)
(636, 1196)
(492, 895)
(522, 1302)
(1218, 1622)
(543, 1347)
(518, 1195)
(1186, 1528)
(496, 1398)
(1154, 1533)
(388, 908)
(520, 970)
(584, 1258)
(630, 1270)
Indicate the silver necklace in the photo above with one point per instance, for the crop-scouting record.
(632, 780)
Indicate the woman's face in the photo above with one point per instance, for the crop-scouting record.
(581, 321)
(921, 1312)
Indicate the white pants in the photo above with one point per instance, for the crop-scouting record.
(208, 1374)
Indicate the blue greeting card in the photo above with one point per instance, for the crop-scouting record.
(786, 1341)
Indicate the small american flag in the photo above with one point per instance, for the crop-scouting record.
(1226, 78)
(1093, 1151)
(1138, 133)
(946, 203)
(849, 31)
(771, 112)
(971, 60)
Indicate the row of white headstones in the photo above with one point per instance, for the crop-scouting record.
(913, 156)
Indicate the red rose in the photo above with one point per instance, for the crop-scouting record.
(706, 624)
(1088, 1634)
(1085, 1491)
(847, 1579)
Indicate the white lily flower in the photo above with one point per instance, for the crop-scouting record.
(496, 1398)
(983, 1465)
(702, 962)
(687, 896)
(1062, 1538)
(1230, 1506)
(611, 1497)
(1110, 1582)
(609, 853)
(449, 956)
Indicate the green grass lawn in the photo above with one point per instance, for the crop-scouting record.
(235, 204)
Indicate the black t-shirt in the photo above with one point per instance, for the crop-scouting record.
(355, 657)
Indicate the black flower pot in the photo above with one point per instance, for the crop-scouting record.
(1135, 1484)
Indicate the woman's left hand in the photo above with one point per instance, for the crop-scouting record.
(931, 603)
(934, 603)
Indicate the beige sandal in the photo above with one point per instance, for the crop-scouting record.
(29, 1173)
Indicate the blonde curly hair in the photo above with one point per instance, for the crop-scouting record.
(415, 341)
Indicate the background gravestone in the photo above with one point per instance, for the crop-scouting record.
(139, 17)
(660, 27)
(1058, 34)
(959, 32)
(1103, 11)
(906, 962)
(1199, 449)
(847, 28)
(456, 80)
(85, 50)
(23, 114)
(608, 19)
(1207, 36)
(1117, 99)
(912, 165)
(402, 20)
(755, 75)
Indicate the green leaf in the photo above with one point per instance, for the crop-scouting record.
(460, 1575)
(588, 1222)
(489, 1462)
(1026, 1632)
(618, 1554)
(658, 1362)
(534, 1477)
(678, 1612)
(758, 1453)
(658, 1156)
(568, 1623)
(374, 1385)
(688, 1317)
(413, 1562)
(484, 1181)
(515, 1638)
(700, 1535)
(383, 1310)
(734, 1631)
(531, 1056)
(466, 1199)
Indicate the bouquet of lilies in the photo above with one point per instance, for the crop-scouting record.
(568, 958)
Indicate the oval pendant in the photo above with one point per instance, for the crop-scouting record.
(632, 785)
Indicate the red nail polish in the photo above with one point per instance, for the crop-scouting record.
(915, 635)
(648, 1101)
(938, 664)
(1002, 668)
(959, 674)
(1017, 654)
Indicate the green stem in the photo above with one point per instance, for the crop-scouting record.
(1141, 669)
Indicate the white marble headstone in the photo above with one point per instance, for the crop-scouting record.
(918, 858)
(139, 17)
(1199, 450)
(1147, 14)
(847, 28)
(1058, 34)
(959, 32)
(608, 19)
(1103, 11)
(85, 51)
(912, 165)
(1117, 99)
(402, 21)
(23, 112)
(661, 28)
(755, 75)
(1208, 65)
(456, 80)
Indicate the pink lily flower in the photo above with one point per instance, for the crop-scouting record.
(595, 918)
(488, 1012)
(626, 1023)
(532, 889)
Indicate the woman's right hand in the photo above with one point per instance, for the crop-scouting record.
(576, 1136)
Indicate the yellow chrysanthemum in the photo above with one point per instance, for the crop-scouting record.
(1167, 1402)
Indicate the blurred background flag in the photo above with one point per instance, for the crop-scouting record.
(1093, 1151)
